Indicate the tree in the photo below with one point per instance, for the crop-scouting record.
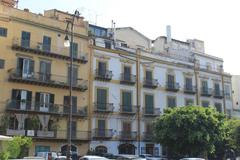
(190, 131)
(234, 135)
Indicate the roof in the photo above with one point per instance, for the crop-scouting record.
(130, 28)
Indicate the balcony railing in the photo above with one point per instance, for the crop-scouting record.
(102, 133)
(38, 48)
(76, 135)
(43, 108)
(127, 136)
(148, 136)
(218, 94)
(50, 80)
(150, 83)
(103, 107)
(171, 86)
(128, 79)
(189, 89)
(147, 111)
(31, 133)
(207, 92)
(103, 75)
(128, 109)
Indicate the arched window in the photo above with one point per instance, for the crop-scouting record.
(65, 148)
(126, 149)
(101, 149)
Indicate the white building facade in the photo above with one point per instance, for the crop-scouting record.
(132, 86)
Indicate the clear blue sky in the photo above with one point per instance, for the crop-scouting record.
(216, 22)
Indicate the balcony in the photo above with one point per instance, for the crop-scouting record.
(148, 136)
(206, 92)
(189, 89)
(150, 83)
(127, 136)
(147, 111)
(174, 87)
(31, 133)
(218, 94)
(23, 106)
(102, 133)
(103, 107)
(103, 75)
(128, 109)
(45, 50)
(15, 132)
(128, 79)
(76, 135)
(48, 80)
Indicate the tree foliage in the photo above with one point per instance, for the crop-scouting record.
(191, 130)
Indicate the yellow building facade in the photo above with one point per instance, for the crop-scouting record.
(34, 79)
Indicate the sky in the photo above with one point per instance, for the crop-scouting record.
(216, 22)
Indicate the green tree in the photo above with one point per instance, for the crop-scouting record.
(190, 130)
(234, 135)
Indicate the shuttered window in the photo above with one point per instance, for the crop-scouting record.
(25, 39)
(45, 71)
(74, 75)
(67, 104)
(217, 89)
(102, 68)
(74, 50)
(101, 99)
(2, 63)
(205, 86)
(127, 73)
(46, 43)
(171, 101)
(149, 102)
(188, 83)
(149, 76)
(3, 32)
(127, 101)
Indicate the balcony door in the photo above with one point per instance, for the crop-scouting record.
(101, 128)
(188, 84)
(67, 104)
(149, 76)
(25, 67)
(21, 99)
(127, 73)
(44, 101)
(102, 68)
(25, 39)
(149, 108)
(45, 71)
(170, 81)
(217, 89)
(101, 99)
(204, 86)
(126, 130)
(46, 43)
(127, 101)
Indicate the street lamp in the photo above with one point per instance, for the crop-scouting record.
(67, 43)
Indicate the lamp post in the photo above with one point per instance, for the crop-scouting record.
(67, 43)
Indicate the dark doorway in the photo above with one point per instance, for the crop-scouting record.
(126, 149)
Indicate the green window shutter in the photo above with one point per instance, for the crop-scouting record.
(74, 50)
(25, 39)
(149, 104)
(102, 68)
(127, 101)
(46, 43)
(148, 75)
(102, 99)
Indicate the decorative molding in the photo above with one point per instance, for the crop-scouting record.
(102, 57)
(124, 60)
(188, 74)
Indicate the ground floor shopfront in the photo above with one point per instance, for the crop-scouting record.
(118, 147)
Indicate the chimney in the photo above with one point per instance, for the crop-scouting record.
(168, 29)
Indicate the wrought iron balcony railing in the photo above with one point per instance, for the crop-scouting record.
(218, 94)
(44, 79)
(128, 109)
(127, 136)
(172, 86)
(102, 133)
(147, 111)
(128, 79)
(190, 89)
(44, 108)
(103, 107)
(34, 47)
(103, 75)
(207, 92)
(150, 83)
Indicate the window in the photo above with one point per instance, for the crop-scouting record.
(149, 102)
(188, 83)
(46, 43)
(66, 103)
(102, 68)
(74, 50)
(217, 89)
(108, 44)
(204, 86)
(218, 107)
(149, 128)
(21, 99)
(127, 73)
(13, 123)
(2, 63)
(101, 127)
(3, 32)
(44, 101)
(171, 102)
(25, 67)
(101, 149)
(148, 76)
(189, 102)
(126, 127)
(25, 40)
(101, 99)
(127, 101)
(170, 81)
(227, 91)
(205, 103)
(74, 75)
(45, 71)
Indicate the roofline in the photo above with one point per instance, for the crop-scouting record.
(135, 31)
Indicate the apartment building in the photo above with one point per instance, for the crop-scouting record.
(133, 83)
(34, 78)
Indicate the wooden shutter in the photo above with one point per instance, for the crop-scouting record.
(102, 67)
(126, 127)
(74, 75)
(25, 40)
(37, 100)
(74, 104)
(127, 101)
(148, 75)
(29, 99)
(46, 43)
(74, 50)
(19, 66)
(31, 66)
(15, 103)
(66, 104)
(217, 88)
(204, 85)
(149, 103)
(188, 82)
(51, 100)
(127, 73)
(101, 98)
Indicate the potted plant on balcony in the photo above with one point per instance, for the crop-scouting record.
(33, 126)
